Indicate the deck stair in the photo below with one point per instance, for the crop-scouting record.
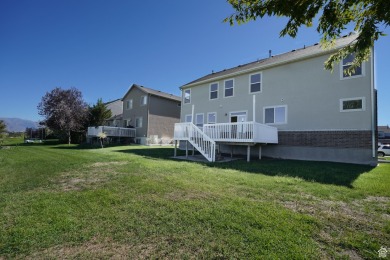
(197, 138)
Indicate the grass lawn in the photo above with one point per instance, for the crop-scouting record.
(59, 201)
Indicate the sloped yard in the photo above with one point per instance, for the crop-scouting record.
(58, 201)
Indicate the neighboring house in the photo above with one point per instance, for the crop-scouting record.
(153, 113)
(384, 134)
(317, 114)
(116, 107)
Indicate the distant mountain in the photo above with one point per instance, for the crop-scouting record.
(17, 124)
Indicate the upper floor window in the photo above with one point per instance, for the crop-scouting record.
(214, 91)
(352, 104)
(229, 88)
(275, 115)
(144, 100)
(212, 118)
(187, 96)
(129, 104)
(255, 85)
(138, 122)
(347, 61)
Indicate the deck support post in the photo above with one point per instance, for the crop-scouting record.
(193, 150)
(260, 152)
(175, 151)
(248, 154)
(231, 151)
(186, 149)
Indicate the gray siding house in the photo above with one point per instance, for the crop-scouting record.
(153, 114)
(318, 114)
(116, 108)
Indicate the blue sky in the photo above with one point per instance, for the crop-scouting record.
(102, 47)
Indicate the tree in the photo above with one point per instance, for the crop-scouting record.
(3, 129)
(98, 113)
(335, 15)
(64, 111)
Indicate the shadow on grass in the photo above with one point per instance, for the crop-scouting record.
(341, 174)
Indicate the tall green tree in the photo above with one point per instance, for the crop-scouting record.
(64, 110)
(99, 113)
(367, 17)
(3, 127)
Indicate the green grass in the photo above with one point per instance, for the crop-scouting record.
(60, 201)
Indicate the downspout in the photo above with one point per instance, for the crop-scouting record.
(373, 107)
(147, 128)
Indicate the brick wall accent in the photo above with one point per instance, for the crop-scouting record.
(338, 139)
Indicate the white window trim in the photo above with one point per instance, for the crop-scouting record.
(209, 113)
(261, 83)
(129, 104)
(184, 96)
(224, 83)
(144, 97)
(196, 117)
(140, 117)
(353, 110)
(351, 77)
(214, 91)
(185, 118)
(279, 123)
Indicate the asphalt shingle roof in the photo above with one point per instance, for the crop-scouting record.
(297, 54)
(155, 92)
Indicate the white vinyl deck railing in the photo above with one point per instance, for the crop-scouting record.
(111, 131)
(190, 132)
(244, 132)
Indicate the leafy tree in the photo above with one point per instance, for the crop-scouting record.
(64, 111)
(98, 113)
(334, 16)
(3, 129)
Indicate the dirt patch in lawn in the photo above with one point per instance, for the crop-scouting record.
(188, 195)
(88, 177)
(150, 248)
(340, 218)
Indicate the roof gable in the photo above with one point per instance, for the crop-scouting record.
(154, 92)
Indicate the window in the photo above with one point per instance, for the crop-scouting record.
(187, 96)
(352, 104)
(144, 100)
(212, 118)
(214, 91)
(138, 122)
(255, 83)
(129, 104)
(229, 88)
(346, 64)
(188, 119)
(127, 122)
(199, 120)
(275, 115)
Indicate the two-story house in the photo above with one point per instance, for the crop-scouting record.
(285, 106)
(152, 113)
(116, 108)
